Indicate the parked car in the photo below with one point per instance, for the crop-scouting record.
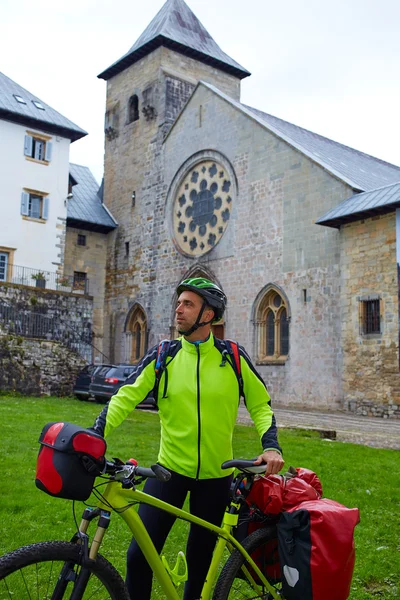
(83, 381)
(107, 379)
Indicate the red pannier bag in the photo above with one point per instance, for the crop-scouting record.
(66, 458)
(276, 493)
(316, 550)
(270, 496)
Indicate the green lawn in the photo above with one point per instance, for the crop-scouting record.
(354, 475)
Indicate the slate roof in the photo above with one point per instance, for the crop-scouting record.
(362, 171)
(85, 210)
(361, 206)
(30, 115)
(177, 27)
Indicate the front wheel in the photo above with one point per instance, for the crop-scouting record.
(232, 584)
(50, 571)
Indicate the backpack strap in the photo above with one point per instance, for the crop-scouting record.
(166, 348)
(231, 349)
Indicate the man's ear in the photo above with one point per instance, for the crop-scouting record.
(211, 314)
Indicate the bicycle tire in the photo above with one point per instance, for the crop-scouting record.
(230, 584)
(32, 572)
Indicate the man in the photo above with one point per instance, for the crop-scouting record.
(198, 403)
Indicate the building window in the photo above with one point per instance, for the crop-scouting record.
(80, 281)
(272, 323)
(35, 205)
(126, 249)
(38, 105)
(136, 335)
(38, 147)
(370, 316)
(133, 109)
(19, 99)
(3, 265)
(81, 240)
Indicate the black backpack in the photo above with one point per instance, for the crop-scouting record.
(169, 348)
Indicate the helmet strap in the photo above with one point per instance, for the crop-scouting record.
(197, 324)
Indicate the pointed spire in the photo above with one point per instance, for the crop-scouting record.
(177, 27)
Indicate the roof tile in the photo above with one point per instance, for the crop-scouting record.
(176, 24)
(359, 206)
(30, 113)
(86, 204)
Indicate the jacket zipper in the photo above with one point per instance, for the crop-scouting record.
(198, 411)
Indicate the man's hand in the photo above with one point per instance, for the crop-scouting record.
(273, 459)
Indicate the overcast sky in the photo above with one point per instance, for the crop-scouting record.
(331, 66)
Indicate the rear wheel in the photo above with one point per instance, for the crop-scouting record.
(232, 584)
(51, 570)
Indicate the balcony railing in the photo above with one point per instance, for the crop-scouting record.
(30, 323)
(76, 284)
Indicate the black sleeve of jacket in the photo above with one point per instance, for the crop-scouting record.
(100, 423)
(269, 440)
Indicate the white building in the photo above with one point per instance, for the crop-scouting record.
(34, 170)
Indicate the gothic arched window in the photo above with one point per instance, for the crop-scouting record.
(272, 323)
(136, 333)
(133, 109)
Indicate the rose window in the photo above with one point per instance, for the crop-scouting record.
(202, 208)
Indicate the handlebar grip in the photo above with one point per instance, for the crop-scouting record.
(156, 471)
(161, 473)
(144, 472)
(247, 466)
(238, 463)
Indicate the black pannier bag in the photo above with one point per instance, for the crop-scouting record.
(266, 557)
(316, 549)
(67, 454)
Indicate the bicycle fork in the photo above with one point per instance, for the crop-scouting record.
(88, 555)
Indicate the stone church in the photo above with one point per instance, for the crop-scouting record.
(298, 230)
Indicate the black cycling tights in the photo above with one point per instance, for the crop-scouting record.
(208, 500)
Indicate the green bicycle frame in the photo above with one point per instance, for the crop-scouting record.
(119, 499)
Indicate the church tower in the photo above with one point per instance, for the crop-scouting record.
(146, 90)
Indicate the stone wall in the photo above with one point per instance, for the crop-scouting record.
(371, 378)
(48, 365)
(37, 367)
(90, 259)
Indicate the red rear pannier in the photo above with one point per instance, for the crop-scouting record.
(316, 549)
(60, 468)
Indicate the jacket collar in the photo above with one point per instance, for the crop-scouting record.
(203, 347)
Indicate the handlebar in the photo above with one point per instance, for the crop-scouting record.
(131, 473)
(246, 466)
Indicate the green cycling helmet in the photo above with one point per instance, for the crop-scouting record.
(209, 291)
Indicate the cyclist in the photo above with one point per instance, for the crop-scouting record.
(198, 404)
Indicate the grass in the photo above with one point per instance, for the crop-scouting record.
(353, 475)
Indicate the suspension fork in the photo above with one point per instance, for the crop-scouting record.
(87, 555)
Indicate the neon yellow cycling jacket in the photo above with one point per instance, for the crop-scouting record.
(199, 411)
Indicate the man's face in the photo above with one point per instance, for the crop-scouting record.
(187, 309)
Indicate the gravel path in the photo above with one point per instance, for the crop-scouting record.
(345, 427)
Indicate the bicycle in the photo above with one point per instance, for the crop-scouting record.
(82, 573)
